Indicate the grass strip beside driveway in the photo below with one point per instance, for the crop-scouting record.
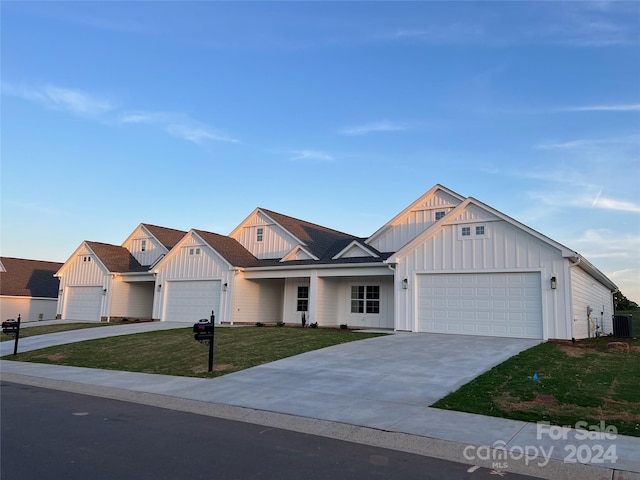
(175, 352)
(585, 382)
(63, 327)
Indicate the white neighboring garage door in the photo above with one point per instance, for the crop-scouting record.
(83, 303)
(189, 301)
(490, 304)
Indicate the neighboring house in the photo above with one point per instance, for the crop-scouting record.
(28, 288)
(110, 282)
(445, 264)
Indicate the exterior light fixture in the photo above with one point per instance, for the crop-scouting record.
(104, 292)
(225, 287)
(405, 284)
(554, 283)
(159, 287)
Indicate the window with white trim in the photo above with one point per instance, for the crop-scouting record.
(439, 215)
(480, 230)
(144, 245)
(365, 299)
(465, 231)
(303, 299)
(259, 234)
(194, 251)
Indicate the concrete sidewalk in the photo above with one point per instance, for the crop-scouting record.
(375, 391)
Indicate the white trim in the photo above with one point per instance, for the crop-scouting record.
(294, 251)
(356, 244)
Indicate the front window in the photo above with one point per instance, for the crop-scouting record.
(439, 215)
(365, 299)
(259, 234)
(466, 231)
(303, 299)
(480, 230)
(144, 245)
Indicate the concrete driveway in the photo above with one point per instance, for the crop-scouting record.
(376, 382)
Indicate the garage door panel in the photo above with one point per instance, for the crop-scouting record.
(494, 304)
(83, 303)
(189, 301)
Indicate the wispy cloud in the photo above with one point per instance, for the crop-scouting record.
(591, 143)
(73, 101)
(178, 125)
(373, 127)
(81, 103)
(311, 155)
(632, 107)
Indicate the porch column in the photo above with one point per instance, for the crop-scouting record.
(313, 296)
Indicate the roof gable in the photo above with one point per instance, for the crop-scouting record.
(414, 219)
(228, 248)
(354, 250)
(466, 212)
(299, 253)
(30, 278)
(168, 237)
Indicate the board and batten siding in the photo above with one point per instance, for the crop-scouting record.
(181, 265)
(131, 299)
(82, 273)
(290, 312)
(153, 250)
(276, 242)
(503, 248)
(384, 319)
(328, 294)
(414, 222)
(588, 292)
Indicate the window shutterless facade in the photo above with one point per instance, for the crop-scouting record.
(303, 299)
(259, 234)
(365, 299)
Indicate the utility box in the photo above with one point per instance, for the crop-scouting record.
(623, 326)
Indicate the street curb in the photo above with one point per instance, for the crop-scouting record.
(403, 442)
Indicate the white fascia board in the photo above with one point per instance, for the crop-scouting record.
(104, 268)
(356, 244)
(296, 249)
(255, 212)
(404, 212)
(73, 256)
(342, 270)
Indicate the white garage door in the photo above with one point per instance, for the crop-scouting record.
(192, 300)
(491, 304)
(83, 303)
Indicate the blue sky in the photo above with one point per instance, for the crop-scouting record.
(191, 114)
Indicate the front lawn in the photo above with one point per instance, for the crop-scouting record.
(582, 382)
(175, 352)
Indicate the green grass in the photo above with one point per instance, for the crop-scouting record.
(175, 352)
(63, 327)
(587, 382)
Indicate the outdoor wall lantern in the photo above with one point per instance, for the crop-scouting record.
(405, 284)
(159, 287)
(554, 283)
(104, 292)
(225, 286)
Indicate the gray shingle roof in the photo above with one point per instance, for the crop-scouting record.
(115, 258)
(321, 241)
(29, 278)
(229, 248)
(169, 237)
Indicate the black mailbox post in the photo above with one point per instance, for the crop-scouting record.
(12, 328)
(203, 332)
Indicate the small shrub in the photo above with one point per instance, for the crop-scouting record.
(343, 326)
(259, 324)
(280, 324)
(314, 325)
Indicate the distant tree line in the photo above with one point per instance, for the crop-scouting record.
(623, 303)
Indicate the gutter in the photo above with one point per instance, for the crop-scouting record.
(310, 267)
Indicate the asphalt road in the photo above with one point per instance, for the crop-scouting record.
(49, 434)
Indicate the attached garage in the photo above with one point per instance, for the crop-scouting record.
(489, 304)
(83, 303)
(189, 301)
